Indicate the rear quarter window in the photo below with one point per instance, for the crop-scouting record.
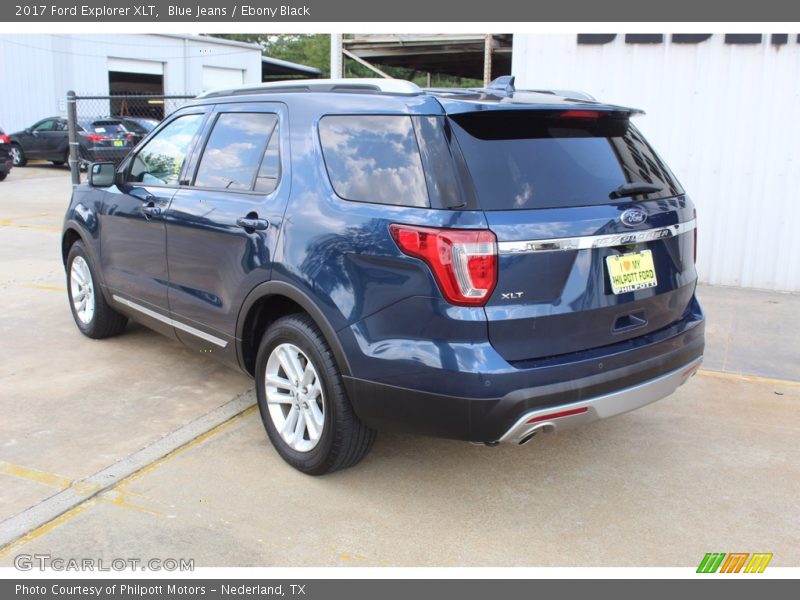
(374, 158)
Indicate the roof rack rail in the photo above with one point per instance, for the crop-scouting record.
(369, 85)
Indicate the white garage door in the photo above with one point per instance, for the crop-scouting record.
(221, 77)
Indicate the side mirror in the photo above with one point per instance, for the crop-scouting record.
(102, 174)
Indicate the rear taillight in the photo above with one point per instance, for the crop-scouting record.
(92, 137)
(4, 139)
(463, 261)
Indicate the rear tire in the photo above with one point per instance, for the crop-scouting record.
(18, 156)
(93, 315)
(3, 175)
(304, 406)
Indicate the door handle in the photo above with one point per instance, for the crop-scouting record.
(253, 223)
(151, 210)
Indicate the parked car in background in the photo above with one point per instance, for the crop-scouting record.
(5, 155)
(46, 139)
(105, 139)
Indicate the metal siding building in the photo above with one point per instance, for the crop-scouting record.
(37, 70)
(724, 115)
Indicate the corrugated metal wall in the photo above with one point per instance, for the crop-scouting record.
(36, 70)
(726, 117)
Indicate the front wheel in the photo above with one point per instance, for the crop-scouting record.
(302, 400)
(93, 315)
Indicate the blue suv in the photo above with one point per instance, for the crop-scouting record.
(479, 264)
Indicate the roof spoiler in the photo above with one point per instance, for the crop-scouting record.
(505, 85)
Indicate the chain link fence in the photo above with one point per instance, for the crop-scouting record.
(106, 128)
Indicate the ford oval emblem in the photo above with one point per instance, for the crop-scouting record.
(633, 217)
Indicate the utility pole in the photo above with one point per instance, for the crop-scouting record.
(72, 135)
(337, 59)
(488, 42)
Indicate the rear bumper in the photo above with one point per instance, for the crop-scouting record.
(102, 154)
(601, 407)
(606, 381)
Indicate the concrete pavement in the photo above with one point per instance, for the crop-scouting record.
(712, 468)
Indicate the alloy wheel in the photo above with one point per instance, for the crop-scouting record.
(16, 155)
(82, 290)
(295, 398)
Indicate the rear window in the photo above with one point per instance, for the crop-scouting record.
(135, 127)
(374, 158)
(549, 159)
(108, 127)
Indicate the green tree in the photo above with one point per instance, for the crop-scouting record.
(314, 50)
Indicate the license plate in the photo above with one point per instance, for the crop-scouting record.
(118, 143)
(631, 272)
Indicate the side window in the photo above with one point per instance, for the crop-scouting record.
(270, 170)
(47, 125)
(235, 150)
(160, 161)
(373, 158)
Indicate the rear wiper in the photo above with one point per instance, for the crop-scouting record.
(634, 189)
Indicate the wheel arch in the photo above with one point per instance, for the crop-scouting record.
(68, 238)
(73, 232)
(282, 298)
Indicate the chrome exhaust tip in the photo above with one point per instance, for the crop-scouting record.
(531, 433)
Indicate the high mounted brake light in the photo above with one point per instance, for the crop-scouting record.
(463, 261)
(580, 114)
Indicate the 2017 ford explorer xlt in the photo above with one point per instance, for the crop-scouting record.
(479, 264)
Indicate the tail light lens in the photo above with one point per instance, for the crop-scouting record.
(4, 139)
(93, 137)
(463, 261)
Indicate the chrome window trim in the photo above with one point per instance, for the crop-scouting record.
(595, 241)
(177, 324)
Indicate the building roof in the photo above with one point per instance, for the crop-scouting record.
(456, 54)
(210, 39)
(276, 69)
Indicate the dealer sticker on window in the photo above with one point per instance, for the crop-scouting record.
(631, 272)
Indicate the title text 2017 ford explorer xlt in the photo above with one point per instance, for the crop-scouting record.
(476, 264)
